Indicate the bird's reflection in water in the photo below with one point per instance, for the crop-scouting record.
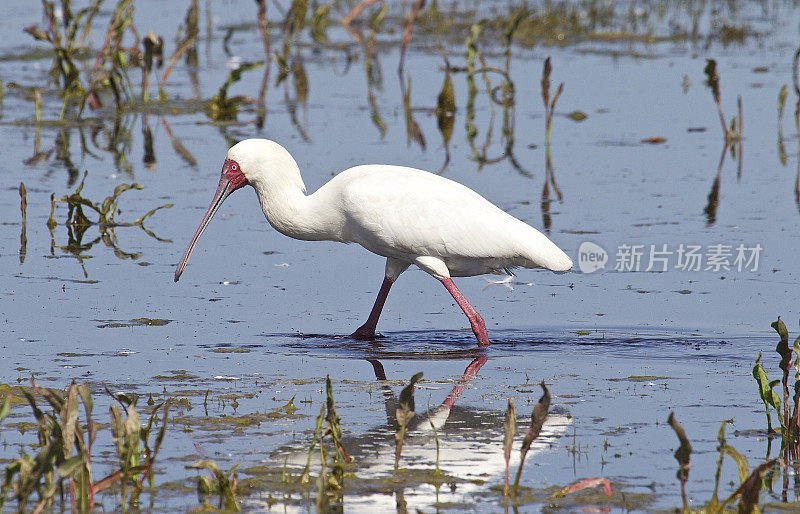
(470, 448)
(422, 424)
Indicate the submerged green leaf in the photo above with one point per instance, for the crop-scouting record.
(141, 219)
(783, 345)
(376, 20)
(289, 408)
(5, 409)
(319, 23)
(333, 426)
(407, 394)
(741, 464)
(304, 476)
(510, 429)
(220, 107)
(538, 416)
(577, 116)
(682, 455)
(796, 350)
(404, 414)
(765, 392)
(784, 92)
(712, 78)
(225, 484)
(446, 108)
(472, 44)
(748, 492)
(70, 467)
(513, 25)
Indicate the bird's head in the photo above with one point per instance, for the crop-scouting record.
(262, 163)
(255, 162)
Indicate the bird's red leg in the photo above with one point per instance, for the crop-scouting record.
(466, 378)
(475, 319)
(367, 330)
(377, 367)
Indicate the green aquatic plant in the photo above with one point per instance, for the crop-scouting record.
(77, 222)
(733, 135)
(767, 394)
(66, 35)
(412, 16)
(732, 139)
(750, 483)
(683, 456)
(153, 50)
(413, 131)
(404, 414)
(446, 110)
(223, 484)
(790, 360)
(37, 105)
(334, 483)
(724, 449)
(549, 109)
(446, 105)
(498, 94)
(328, 424)
(796, 87)
(372, 68)
(318, 24)
(23, 235)
(186, 46)
(355, 12)
(549, 105)
(510, 430)
(132, 441)
(539, 414)
(105, 210)
(318, 433)
(5, 408)
(293, 24)
(782, 95)
(64, 455)
(110, 69)
(224, 108)
(65, 449)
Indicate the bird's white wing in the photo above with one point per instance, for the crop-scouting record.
(394, 210)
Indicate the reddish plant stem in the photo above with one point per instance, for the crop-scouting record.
(356, 11)
(412, 16)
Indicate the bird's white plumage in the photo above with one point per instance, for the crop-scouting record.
(405, 214)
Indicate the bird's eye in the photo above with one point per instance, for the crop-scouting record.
(234, 167)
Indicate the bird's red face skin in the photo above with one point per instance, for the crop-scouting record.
(233, 173)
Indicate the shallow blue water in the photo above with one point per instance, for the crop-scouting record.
(289, 302)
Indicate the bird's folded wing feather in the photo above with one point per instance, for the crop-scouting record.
(419, 213)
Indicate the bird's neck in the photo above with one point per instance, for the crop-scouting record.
(292, 213)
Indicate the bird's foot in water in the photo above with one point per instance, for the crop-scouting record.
(479, 329)
(364, 333)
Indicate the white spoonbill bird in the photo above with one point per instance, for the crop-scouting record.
(407, 215)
